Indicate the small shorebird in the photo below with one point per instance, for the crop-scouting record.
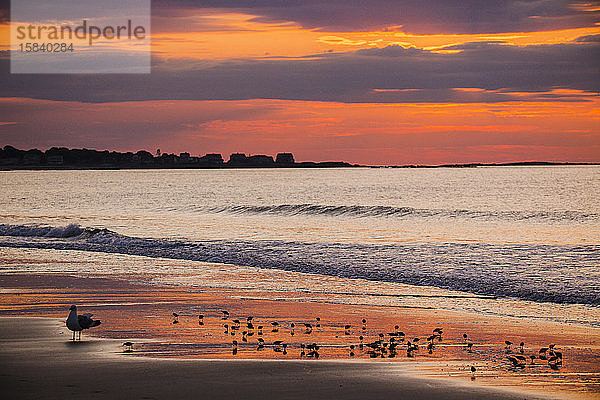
(200, 319)
(175, 316)
(532, 356)
(517, 361)
(430, 347)
(555, 360)
(129, 346)
(225, 314)
(309, 328)
(77, 323)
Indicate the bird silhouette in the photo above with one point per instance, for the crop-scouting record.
(78, 323)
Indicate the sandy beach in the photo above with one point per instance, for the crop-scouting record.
(38, 363)
(188, 359)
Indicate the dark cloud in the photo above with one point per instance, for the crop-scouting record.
(588, 39)
(416, 16)
(4, 11)
(373, 75)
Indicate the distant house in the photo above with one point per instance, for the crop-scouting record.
(237, 158)
(144, 157)
(167, 159)
(212, 159)
(284, 158)
(260, 160)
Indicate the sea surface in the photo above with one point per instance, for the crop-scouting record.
(516, 241)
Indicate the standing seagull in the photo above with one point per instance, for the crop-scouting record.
(77, 323)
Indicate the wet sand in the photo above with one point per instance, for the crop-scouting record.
(37, 362)
(142, 313)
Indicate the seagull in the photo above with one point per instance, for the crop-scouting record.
(129, 347)
(77, 323)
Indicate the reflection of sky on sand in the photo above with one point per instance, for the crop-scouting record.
(269, 284)
(139, 307)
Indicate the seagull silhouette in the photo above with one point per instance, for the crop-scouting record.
(77, 323)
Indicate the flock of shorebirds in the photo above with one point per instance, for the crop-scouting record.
(385, 345)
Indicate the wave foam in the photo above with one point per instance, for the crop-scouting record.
(69, 231)
(398, 212)
(547, 273)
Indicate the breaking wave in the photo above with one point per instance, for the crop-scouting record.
(547, 273)
(69, 231)
(399, 212)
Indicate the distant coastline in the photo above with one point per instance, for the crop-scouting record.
(59, 158)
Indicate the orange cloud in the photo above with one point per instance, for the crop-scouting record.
(235, 35)
(217, 35)
(362, 133)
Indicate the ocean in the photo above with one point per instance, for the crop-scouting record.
(520, 242)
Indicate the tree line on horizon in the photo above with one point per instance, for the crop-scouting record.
(57, 157)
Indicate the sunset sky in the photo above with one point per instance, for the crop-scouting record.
(373, 82)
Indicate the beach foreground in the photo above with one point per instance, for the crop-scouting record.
(37, 362)
(187, 358)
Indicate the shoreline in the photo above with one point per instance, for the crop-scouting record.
(38, 363)
(299, 165)
(142, 313)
